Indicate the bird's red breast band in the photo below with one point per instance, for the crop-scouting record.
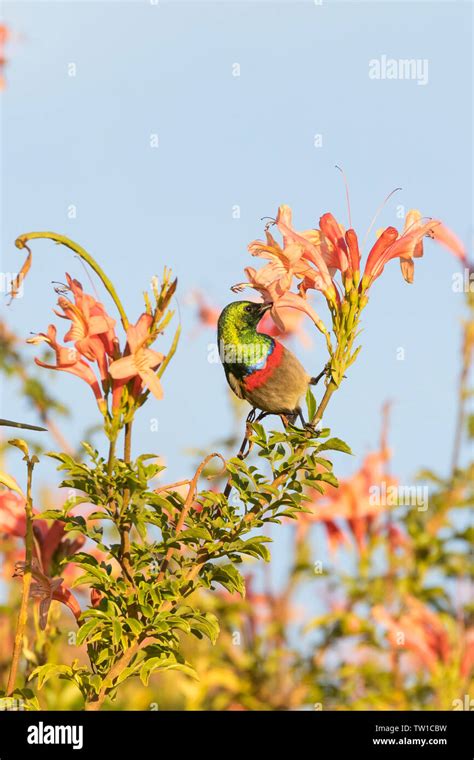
(260, 376)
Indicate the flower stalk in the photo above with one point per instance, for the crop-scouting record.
(23, 613)
(21, 241)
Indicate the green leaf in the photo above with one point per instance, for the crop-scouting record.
(206, 624)
(50, 514)
(45, 672)
(104, 655)
(96, 682)
(254, 547)
(126, 673)
(310, 403)
(116, 632)
(178, 622)
(329, 477)
(85, 630)
(229, 577)
(335, 444)
(135, 626)
(164, 663)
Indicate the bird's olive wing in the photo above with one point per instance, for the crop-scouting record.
(235, 384)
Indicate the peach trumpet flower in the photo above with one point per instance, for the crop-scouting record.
(68, 360)
(53, 543)
(281, 299)
(351, 502)
(48, 590)
(314, 256)
(313, 248)
(424, 635)
(409, 245)
(92, 329)
(12, 514)
(140, 362)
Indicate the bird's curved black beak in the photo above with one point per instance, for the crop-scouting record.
(264, 307)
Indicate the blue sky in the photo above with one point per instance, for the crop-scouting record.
(167, 69)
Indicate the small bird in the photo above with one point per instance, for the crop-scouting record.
(258, 368)
(23, 425)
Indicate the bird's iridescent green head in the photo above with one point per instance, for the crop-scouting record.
(241, 317)
(241, 346)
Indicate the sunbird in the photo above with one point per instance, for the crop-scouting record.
(259, 368)
(23, 425)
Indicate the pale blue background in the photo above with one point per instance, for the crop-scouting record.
(167, 69)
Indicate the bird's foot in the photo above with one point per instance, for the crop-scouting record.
(326, 371)
(251, 415)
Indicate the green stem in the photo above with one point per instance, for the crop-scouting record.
(23, 614)
(124, 526)
(21, 241)
(22, 425)
(170, 353)
(463, 395)
(110, 462)
(127, 449)
(95, 703)
(324, 402)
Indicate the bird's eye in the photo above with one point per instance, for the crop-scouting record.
(248, 309)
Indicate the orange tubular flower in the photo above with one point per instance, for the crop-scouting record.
(12, 514)
(292, 321)
(375, 261)
(351, 502)
(425, 636)
(207, 314)
(300, 257)
(408, 246)
(67, 360)
(313, 249)
(313, 258)
(140, 362)
(53, 544)
(284, 263)
(281, 299)
(92, 329)
(334, 233)
(353, 248)
(48, 590)
(94, 314)
(4, 36)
